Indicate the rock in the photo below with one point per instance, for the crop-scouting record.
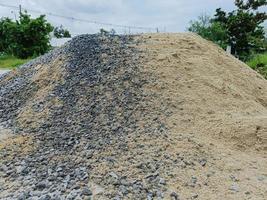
(233, 178)
(86, 191)
(123, 189)
(73, 194)
(149, 196)
(41, 185)
(23, 196)
(45, 197)
(262, 178)
(174, 196)
(194, 179)
(59, 169)
(234, 187)
(3, 168)
(162, 181)
(113, 178)
(203, 162)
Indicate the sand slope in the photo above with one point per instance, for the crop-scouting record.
(214, 93)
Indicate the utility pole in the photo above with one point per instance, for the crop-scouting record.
(19, 9)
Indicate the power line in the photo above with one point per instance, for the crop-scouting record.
(82, 20)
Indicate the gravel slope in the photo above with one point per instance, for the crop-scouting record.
(3, 71)
(154, 116)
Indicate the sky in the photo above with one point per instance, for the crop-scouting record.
(166, 15)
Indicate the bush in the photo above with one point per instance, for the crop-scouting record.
(60, 32)
(259, 63)
(26, 37)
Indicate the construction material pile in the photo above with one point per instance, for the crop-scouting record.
(160, 116)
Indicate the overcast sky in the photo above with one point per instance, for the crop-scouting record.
(168, 15)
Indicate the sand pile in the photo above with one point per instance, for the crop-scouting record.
(161, 116)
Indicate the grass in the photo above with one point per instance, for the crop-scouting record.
(259, 63)
(10, 62)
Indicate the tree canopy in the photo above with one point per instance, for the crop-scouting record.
(60, 32)
(241, 28)
(25, 37)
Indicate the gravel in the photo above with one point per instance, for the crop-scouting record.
(101, 101)
(132, 117)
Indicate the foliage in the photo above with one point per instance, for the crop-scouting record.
(211, 31)
(240, 28)
(104, 32)
(244, 28)
(60, 32)
(259, 63)
(25, 37)
(9, 62)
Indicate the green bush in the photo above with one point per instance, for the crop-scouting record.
(25, 37)
(259, 63)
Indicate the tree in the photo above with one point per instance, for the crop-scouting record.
(60, 32)
(104, 32)
(25, 37)
(240, 28)
(245, 33)
(5, 30)
(209, 30)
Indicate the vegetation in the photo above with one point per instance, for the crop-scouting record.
(60, 32)
(213, 31)
(9, 62)
(259, 63)
(103, 32)
(25, 37)
(240, 28)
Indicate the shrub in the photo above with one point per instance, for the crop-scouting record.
(25, 37)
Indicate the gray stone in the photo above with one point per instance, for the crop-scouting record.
(174, 196)
(45, 197)
(86, 191)
(203, 162)
(234, 187)
(41, 185)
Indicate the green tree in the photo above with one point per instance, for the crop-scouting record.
(245, 33)
(213, 31)
(25, 37)
(60, 32)
(241, 28)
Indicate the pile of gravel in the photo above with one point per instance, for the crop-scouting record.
(153, 116)
(96, 100)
